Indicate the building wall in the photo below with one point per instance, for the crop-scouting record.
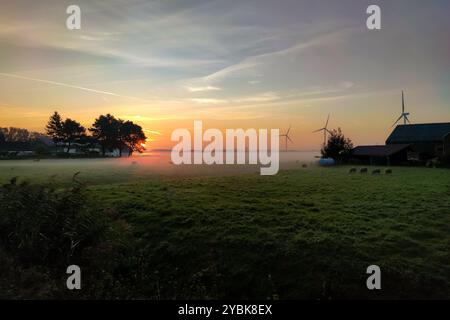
(447, 144)
(395, 159)
(425, 150)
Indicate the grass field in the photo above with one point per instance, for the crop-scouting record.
(305, 233)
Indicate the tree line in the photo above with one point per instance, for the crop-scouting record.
(107, 131)
(13, 134)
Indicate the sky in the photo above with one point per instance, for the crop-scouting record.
(231, 64)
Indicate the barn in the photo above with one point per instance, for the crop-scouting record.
(394, 154)
(427, 141)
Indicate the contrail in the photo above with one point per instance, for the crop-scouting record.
(72, 86)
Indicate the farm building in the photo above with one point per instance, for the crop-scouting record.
(19, 148)
(427, 141)
(382, 155)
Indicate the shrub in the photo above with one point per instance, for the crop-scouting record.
(44, 229)
(41, 150)
(40, 225)
(338, 147)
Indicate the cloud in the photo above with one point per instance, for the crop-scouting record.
(251, 62)
(208, 101)
(202, 89)
(263, 97)
(153, 132)
(72, 86)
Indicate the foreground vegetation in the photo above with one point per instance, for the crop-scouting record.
(305, 233)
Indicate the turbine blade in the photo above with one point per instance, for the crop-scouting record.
(397, 121)
(406, 117)
(328, 119)
(288, 130)
(317, 130)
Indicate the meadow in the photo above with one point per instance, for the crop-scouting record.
(307, 233)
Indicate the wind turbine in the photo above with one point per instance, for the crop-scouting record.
(325, 131)
(404, 114)
(286, 135)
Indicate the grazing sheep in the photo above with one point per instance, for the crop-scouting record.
(305, 166)
(352, 170)
(388, 171)
(364, 170)
(37, 160)
(134, 163)
(377, 171)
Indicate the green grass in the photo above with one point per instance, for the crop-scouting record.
(305, 233)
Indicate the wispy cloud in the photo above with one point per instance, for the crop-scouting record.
(202, 89)
(153, 132)
(208, 101)
(55, 83)
(251, 62)
(263, 97)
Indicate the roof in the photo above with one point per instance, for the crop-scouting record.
(16, 146)
(379, 151)
(428, 132)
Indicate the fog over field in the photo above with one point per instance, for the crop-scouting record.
(139, 167)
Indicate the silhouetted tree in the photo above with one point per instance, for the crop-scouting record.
(112, 133)
(72, 132)
(18, 135)
(105, 131)
(338, 146)
(132, 137)
(54, 128)
(2, 137)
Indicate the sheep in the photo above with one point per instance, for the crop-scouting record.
(364, 170)
(388, 171)
(377, 171)
(304, 166)
(352, 170)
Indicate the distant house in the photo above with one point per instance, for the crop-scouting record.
(382, 155)
(17, 148)
(426, 140)
(88, 148)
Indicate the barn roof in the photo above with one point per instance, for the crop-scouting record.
(379, 151)
(428, 132)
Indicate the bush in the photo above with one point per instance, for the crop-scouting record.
(43, 230)
(41, 150)
(40, 225)
(338, 147)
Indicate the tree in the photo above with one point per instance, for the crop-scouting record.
(54, 128)
(132, 137)
(2, 137)
(338, 146)
(106, 131)
(72, 132)
(17, 135)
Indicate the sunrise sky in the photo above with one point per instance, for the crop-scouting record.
(232, 64)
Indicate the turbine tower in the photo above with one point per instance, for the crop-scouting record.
(325, 131)
(404, 114)
(286, 136)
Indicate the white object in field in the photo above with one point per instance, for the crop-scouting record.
(325, 162)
